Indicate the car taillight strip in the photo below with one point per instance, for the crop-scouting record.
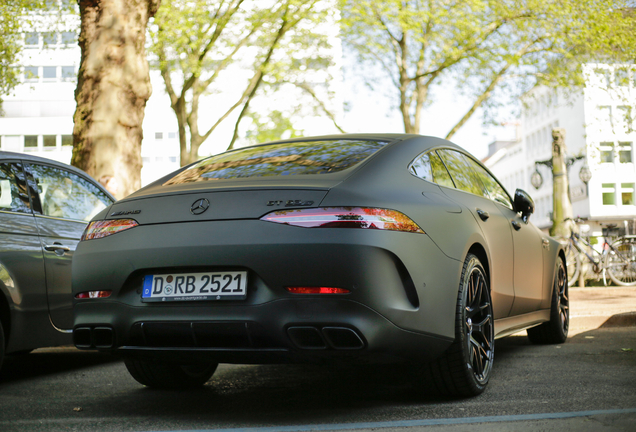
(317, 290)
(345, 217)
(104, 228)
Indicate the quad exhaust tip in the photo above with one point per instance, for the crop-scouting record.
(322, 338)
(94, 337)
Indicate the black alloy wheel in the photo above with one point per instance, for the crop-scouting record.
(555, 331)
(464, 369)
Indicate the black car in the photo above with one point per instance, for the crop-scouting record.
(44, 208)
(349, 248)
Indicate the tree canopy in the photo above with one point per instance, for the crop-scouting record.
(268, 43)
(13, 16)
(486, 46)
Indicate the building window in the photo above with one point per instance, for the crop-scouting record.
(625, 152)
(605, 118)
(624, 120)
(69, 38)
(609, 193)
(49, 39)
(32, 40)
(67, 140)
(172, 135)
(603, 77)
(68, 73)
(158, 135)
(623, 76)
(30, 143)
(49, 73)
(627, 193)
(31, 74)
(49, 142)
(50, 5)
(607, 152)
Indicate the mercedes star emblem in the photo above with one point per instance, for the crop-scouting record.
(199, 206)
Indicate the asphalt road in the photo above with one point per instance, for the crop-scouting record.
(586, 384)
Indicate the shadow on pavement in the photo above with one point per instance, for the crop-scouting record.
(50, 361)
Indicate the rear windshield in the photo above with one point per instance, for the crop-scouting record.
(297, 158)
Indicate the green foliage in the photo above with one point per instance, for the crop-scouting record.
(195, 42)
(15, 17)
(490, 47)
(275, 126)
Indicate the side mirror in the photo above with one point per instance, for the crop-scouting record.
(523, 204)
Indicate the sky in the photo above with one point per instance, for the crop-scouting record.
(370, 110)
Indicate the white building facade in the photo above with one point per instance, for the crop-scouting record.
(599, 125)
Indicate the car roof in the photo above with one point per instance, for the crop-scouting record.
(4, 155)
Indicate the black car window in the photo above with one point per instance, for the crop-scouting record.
(13, 189)
(495, 191)
(464, 177)
(430, 167)
(66, 195)
(297, 158)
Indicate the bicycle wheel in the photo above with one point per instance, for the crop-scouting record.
(620, 262)
(572, 260)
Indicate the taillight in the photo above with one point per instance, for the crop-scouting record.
(104, 228)
(93, 294)
(317, 290)
(345, 217)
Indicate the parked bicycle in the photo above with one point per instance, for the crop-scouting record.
(617, 258)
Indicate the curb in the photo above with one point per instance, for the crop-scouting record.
(584, 323)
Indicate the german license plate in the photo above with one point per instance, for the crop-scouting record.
(195, 286)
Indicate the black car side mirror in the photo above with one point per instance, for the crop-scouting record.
(524, 204)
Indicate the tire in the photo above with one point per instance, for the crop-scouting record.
(555, 331)
(464, 369)
(163, 375)
(620, 262)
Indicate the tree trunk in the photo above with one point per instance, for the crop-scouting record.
(562, 207)
(112, 90)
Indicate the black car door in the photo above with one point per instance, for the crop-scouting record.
(21, 262)
(470, 192)
(63, 205)
(527, 247)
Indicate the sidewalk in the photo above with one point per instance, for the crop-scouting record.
(593, 307)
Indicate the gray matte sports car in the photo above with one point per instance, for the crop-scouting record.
(350, 248)
(44, 208)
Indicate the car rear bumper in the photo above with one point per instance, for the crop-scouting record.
(281, 331)
(400, 307)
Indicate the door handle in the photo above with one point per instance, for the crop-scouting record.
(57, 248)
(483, 215)
(516, 225)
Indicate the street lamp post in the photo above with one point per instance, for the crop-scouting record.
(559, 165)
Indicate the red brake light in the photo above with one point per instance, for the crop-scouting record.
(104, 228)
(345, 217)
(93, 294)
(317, 290)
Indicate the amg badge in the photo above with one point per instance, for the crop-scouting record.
(125, 212)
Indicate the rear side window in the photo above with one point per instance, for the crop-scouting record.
(298, 158)
(13, 189)
(65, 195)
(430, 167)
(462, 172)
(495, 191)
